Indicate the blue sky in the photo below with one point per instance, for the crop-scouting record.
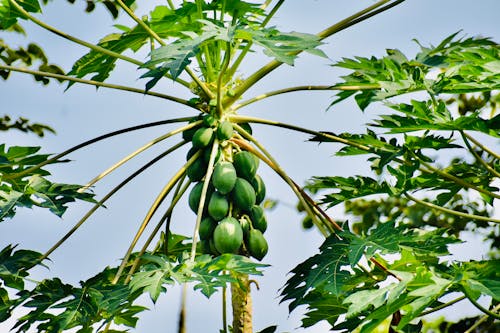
(82, 113)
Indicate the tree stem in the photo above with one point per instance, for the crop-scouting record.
(241, 300)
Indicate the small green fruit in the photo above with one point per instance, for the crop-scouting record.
(258, 218)
(243, 194)
(246, 164)
(256, 244)
(197, 170)
(228, 236)
(203, 137)
(207, 227)
(224, 177)
(260, 189)
(218, 206)
(225, 131)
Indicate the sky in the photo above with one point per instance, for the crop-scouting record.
(83, 112)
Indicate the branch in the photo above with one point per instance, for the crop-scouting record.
(96, 83)
(349, 21)
(478, 158)
(450, 211)
(94, 140)
(159, 199)
(107, 196)
(303, 88)
(76, 40)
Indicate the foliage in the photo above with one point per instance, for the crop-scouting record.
(433, 178)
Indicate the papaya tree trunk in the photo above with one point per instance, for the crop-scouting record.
(241, 301)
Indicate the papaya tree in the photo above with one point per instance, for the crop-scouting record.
(385, 264)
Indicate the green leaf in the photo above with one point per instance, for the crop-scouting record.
(464, 65)
(282, 46)
(9, 15)
(326, 270)
(15, 264)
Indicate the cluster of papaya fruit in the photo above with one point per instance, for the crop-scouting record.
(233, 220)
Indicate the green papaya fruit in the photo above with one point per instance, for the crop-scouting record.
(228, 235)
(188, 134)
(243, 194)
(224, 177)
(256, 244)
(218, 206)
(258, 218)
(206, 154)
(202, 137)
(246, 164)
(197, 170)
(207, 227)
(195, 196)
(225, 130)
(260, 189)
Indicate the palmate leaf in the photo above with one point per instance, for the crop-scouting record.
(163, 20)
(464, 65)
(326, 271)
(347, 188)
(424, 115)
(32, 188)
(282, 46)
(96, 300)
(9, 15)
(206, 273)
(14, 266)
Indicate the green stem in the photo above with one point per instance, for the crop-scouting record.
(177, 196)
(101, 202)
(159, 199)
(135, 153)
(271, 162)
(220, 79)
(478, 158)
(303, 88)
(238, 118)
(349, 21)
(480, 145)
(431, 169)
(479, 306)
(206, 182)
(91, 46)
(442, 306)
(472, 329)
(96, 83)
(244, 52)
(450, 211)
(153, 34)
(92, 141)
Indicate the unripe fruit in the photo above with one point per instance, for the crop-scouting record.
(260, 189)
(224, 177)
(218, 206)
(203, 137)
(246, 164)
(188, 134)
(197, 170)
(225, 131)
(195, 196)
(243, 194)
(228, 236)
(258, 218)
(256, 244)
(207, 227)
